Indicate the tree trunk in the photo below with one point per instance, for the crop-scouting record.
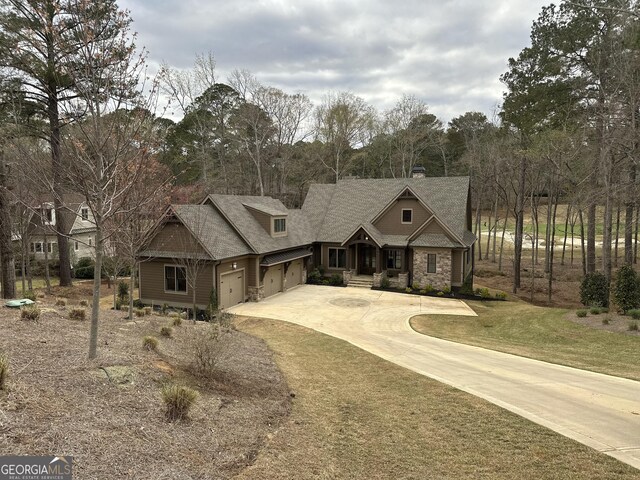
(590, 265)
(584, 252)
(635, 241)
(547, 235)
(519, 214)
(6, 249)
(479, 226)
(616, 240)
(132, 286)
(566, 232)
(552, 250)
(504, 231)
(97, 279)
(47, 276)
(606, 234)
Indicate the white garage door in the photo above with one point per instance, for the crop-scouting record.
(273, 280)
(294, 274)
(231, 289)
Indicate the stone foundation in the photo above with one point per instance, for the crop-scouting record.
(256, 293)
(378, 278)
(403, 280)
(442, 276)
(304, 276)
(346, 276)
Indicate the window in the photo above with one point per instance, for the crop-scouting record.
(76, 246)
(279, 225)
(337, 258)
(407, 215)
(393, 259)
(50, 247)
(84, 213)
(431, 263)
(175, 279)
(48, 215)
(89, 241)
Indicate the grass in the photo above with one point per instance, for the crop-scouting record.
(38, 283)
(358, 416)
(540, 333)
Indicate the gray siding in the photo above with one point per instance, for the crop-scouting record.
(152, 285)
(391, 222)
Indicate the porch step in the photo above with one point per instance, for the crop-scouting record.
(360, 283)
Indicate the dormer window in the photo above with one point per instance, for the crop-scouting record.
(48, 215)
(279, 226)
(84, 214)
(407, 215)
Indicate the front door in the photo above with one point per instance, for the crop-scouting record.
(366, 260)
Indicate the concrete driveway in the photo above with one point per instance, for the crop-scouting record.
(598, 410)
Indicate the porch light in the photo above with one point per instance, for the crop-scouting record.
(366, 238)
(234, 265)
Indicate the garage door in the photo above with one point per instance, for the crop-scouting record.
(231, 289)
(273, 280)
(294, 274)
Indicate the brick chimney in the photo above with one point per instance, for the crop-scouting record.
(418, 172)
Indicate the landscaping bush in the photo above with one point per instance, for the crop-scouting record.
(177, 321)
(150, 343)
(594, 290)
(467, 286)
(604, 310)
(30, 313)
(61, 302)
(634, 313)
(139, 312)
(84, 303)
(385, 283)
(440, 294)
(78, 314)
(30, 294)
(148, 310)
(428, 288)
(408, 290)
(166, 332)
(446, 290)
(165, 309)
(633, 326)
(123, 291)
(178, 400)
(606, 321)
(206, 348)
(212, 307)
(581, 313)
(174, 315)
(124, 307)
(415, 286)
(484, 293)
(501, 295)
(335, 280)
(4, 370)
(625, 291)
(84, 268)
(314, 277)
(595, 310)
(225, 319)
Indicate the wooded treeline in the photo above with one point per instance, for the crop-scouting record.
(79, 116)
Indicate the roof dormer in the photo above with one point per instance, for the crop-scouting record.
(271, 218)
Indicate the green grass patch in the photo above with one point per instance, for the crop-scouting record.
(356, 415)
(540, 333)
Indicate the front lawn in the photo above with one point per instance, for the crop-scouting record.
(356, 415)
(538, 332)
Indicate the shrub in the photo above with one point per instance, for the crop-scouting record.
(385, 283)
(139, 312)
(78, 314)
(595, 310)
(415, 286)
(440, 294)
(177, 321)
(31, 295)
(446, 290)
(606, 321)
(467, 286)
(501, 295)
(633, 326)
(429, 288)
(166, 332)
(206, 348)
(581, 313)
(625, 292)
(604, 310)
(225, 319)
(314, 277)
(84, 303)
(174, 315)
(30, 313)
(123, 291)
(485, 293)
(148, 310)
(165, 309)
(178, 400)
(61, 302)
(335, 280)
(634, 313)
(150, 343)
(84, 268)
(212, 307)
(594, 290)
(408, 289)
(4, 370)
(124, 307)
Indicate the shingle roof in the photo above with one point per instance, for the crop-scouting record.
(316, 203)
(233, 208)
(351, 203)
(212, 230)
(273, 210)
(287, 256)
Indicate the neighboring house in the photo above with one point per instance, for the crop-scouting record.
(43, 227)
(414, 230)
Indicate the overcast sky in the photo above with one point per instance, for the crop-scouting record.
(448, 53)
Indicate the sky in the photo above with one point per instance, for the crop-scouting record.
(448, 53)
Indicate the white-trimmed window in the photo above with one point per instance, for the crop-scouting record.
(175, 279)
(36, 247)
(50, 247)
(393, 259)
(48, 214)
(84, 214)
(432, 260)
(407, 216)
(279, 225)
(337, 257)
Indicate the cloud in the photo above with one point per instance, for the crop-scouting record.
(449, 53)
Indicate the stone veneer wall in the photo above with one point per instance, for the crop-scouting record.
(442, 277)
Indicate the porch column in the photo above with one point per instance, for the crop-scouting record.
(348, 257)
(378, 268)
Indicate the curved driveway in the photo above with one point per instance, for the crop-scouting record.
(598, 410)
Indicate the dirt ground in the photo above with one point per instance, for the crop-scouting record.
(58, 402)
(616, 322)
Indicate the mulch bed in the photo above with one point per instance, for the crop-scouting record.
(57, 402)
(617, 323)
